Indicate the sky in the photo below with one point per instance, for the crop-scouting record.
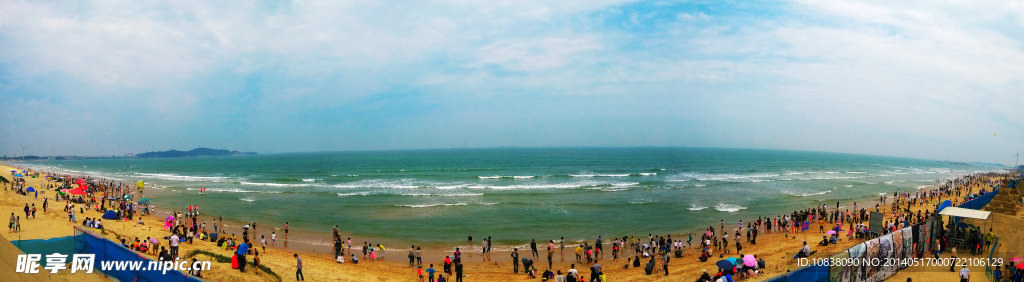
(922, 79)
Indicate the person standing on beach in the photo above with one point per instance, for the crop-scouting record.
(349, 242)
(412, 255)
(533, 246)
(240, 252)
(515, 260)
(458, 272)
(551, 252)
(419, 257)
(173, 242)
(298, 268)
(561, 250)
(483, 248)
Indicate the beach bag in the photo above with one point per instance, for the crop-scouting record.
(234, 262)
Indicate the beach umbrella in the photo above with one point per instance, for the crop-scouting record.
(4, 180)
(30, 189)
(1016, 259)
(724, 264)
(830, 232)
(961, 225)
(77, 192)
(1020, 265)
(18, 175)
(749, 260)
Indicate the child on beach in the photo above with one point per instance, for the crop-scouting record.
(264, 241)
(273, 237)
(373, 256)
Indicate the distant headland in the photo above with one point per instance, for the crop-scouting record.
(197, 152)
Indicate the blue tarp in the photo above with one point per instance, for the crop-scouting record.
(943, 205)
(814, 273)
(980, 202)
(110, 215)
(106, 250)
(62, 245)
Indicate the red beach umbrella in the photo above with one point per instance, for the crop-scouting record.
(77, 192)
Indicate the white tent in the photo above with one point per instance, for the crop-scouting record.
(968, 213)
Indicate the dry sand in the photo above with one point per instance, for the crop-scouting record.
(775, 248)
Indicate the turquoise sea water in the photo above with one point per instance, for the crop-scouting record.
(517, 194)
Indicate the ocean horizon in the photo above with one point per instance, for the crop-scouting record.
(441, 196)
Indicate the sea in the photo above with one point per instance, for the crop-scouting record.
(515, 195)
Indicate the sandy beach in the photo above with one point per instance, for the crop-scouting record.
(776, 248)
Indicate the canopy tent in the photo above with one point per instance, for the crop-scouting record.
(968, 213)
(956, 213)
(110, 215)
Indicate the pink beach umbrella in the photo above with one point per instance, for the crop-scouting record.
(1016, 259)
(749, 260)
(830, 232)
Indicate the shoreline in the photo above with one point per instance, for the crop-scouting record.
(319, 242)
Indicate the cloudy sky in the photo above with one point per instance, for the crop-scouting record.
(925, 79)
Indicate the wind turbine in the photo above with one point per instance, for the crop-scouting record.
(22, 152)
(1017, 157)
(53, 152)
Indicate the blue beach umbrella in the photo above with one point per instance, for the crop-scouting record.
(725, 264)
(30, 189)
(18, 175)
(735, 261)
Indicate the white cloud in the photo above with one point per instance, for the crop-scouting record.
(917, 63)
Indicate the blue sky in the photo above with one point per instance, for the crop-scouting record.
(920, 79)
